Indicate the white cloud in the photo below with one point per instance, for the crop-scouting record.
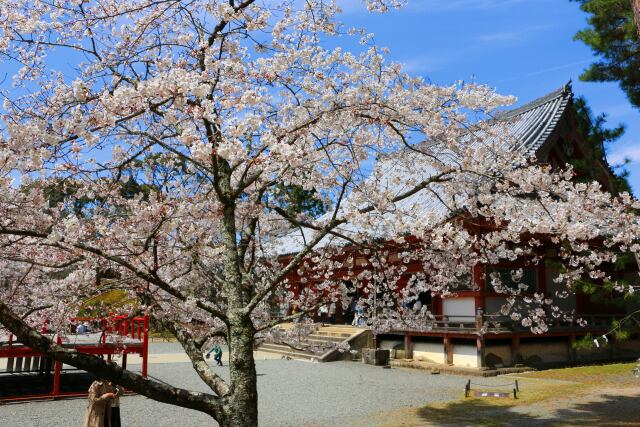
(423, 64)
(505, 36)
(459, 5)
(356, 6)
(515, 35)
(619, 110)
(624, 151)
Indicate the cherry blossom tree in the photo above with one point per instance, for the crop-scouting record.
(151, 140)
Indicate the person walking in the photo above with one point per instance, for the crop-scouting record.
(217, 354)
(101, 395)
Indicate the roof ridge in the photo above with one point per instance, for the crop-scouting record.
(565, 92)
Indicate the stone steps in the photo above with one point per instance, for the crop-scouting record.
(327, 337)
(285, 350)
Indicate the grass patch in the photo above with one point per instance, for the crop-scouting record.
(543, 392)
(616, 374)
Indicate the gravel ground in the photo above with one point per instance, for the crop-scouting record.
(292, 393)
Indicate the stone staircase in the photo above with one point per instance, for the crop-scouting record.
(327, 336)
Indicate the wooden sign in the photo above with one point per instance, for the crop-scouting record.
(491, 394)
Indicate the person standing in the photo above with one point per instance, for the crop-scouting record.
(324, 311)
(332, 313)
(360, 314)
(113, 408)
(101, 395)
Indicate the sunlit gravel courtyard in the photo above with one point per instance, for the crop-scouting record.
(292, 393)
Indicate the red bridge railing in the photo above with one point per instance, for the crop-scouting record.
(134, 328)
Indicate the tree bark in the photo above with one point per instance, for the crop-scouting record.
(635, 5)
(241, 406)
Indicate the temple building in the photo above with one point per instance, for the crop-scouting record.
(461, 333)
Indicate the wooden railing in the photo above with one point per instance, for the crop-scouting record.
(492, 323)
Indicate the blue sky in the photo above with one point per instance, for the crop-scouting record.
(521, 47)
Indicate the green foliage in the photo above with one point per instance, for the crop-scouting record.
(597, 135)
(105, 303)
(613, 37)
(584, 343)
(296, 200)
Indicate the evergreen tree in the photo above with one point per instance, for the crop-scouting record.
(597, 136)
(612, 35)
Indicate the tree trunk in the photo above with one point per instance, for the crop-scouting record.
(635, 5)
(242, 405)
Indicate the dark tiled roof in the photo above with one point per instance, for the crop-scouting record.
(533, 123)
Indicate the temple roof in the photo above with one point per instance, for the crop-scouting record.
(533, 123)
(530, 126)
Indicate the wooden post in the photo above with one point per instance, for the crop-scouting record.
(480, 346)
(124, 360)
(56, 374)
(448, 351)
(479, 318)
(408, 346)
(515, 349)
(478, 273)
(145, 346)
(571, 350)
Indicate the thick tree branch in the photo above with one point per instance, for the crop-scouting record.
(194, 352)
(159, 391)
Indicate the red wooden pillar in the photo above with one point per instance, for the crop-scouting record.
(480, 346)
(408, 346)
(145, 346)
(479, 286)
(448, 351)
(56, 373)
(104, 331)
(571, 350)
(542, 279)
(515, 349)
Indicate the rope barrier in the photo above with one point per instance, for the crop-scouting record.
(493, 385)
(515, 389)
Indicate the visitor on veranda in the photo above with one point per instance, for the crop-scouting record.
(332, 313)
(324, 311)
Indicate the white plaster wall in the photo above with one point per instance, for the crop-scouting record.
(465, 355)
(459, 306)
(429, 351)
(547, 351)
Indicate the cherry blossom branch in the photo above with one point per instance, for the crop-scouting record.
(146, 276)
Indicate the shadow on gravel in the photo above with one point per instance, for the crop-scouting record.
(611, 410)
(18, 385)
